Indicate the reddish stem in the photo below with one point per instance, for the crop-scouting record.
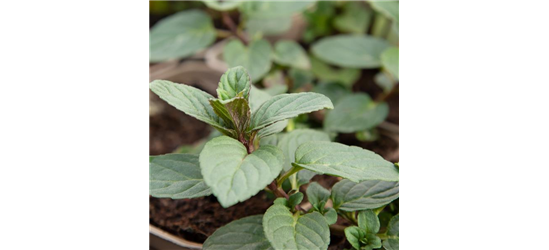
(279, 192)
(232, 26)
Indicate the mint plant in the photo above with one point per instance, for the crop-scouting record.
(343, 38)
(252, 155)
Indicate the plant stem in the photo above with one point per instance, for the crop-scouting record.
(251, 144)
(352, 216)
(382, 236)
(378, 210)
(348, 217)
(285, 176)
(251, 148)
(291, 125)
(381, 26)
(279, 192)
(223, 33)
(232, 26)
(394, 83)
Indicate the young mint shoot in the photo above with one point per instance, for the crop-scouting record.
(238, 165)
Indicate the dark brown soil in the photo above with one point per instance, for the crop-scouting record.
(367, 84)
(324, 180)
(173, 128)
(196, 219)
(338, 243)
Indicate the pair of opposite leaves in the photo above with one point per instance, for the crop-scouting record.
(280, 229)
(234, 175)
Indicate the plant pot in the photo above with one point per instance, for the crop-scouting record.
(191, 72)
(159, 68)
(165, 240)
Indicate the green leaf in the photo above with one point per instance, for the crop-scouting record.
(233, 174)
(374, 242)
(355, 235)
(235, 82)
(281, 201)
(355, 112)
(355, 18)
(222, 5)
(292, 140)
(232, 106)
(192, 101)
(272, 129)
(389, 60)
(349, 162)
(364, 236)
(285, 106)
(270, 17)
(277, 90)
(351, 196)
(223, 112)
(256, 58)
(290, 53)
(304, 176)
(295, 199)
(318, 196)
(176, 176)
(333, 91)
(367, 135)
(300, 77)
(257, 97)
(180, 35)
(384, 81)
(269, 140)
(235, 112)
(387, 8)
(324, 72)
(288, 231)
(245, 233)
(319, 20)
(275, 83)
(274, 8)
(352, 51)
(368, 221)
(331, 216)
(392, 233)
(268, 25)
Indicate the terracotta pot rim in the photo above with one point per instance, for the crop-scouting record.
(173, 239)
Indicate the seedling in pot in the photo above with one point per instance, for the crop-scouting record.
(252, 155)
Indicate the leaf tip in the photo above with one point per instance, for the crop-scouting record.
(154, 83)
